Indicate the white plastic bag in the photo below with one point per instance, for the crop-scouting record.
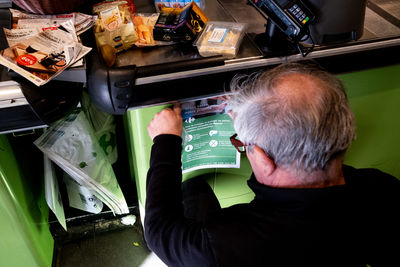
(80, 197)
(72, 145)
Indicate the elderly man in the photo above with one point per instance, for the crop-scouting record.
(295, 124)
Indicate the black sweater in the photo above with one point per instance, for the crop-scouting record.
(348, 225)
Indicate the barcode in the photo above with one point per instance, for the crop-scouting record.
(218, 35)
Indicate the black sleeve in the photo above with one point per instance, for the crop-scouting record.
(381, 197)
(386, 220)
(176, 240)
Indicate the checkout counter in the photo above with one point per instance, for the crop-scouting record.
(369, 68)
(144, 80)
(149, 76)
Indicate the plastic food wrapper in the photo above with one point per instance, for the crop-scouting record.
(220, 38)
(144, 26)
(72, 145)
(177, 3)
(114, 25)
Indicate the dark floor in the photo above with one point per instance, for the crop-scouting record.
(120, 248)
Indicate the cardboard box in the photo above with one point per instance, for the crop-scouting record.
(179, 24)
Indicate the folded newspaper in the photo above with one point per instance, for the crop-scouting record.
(22, 20)
(72, 145)
(40, 49)
(206, 136)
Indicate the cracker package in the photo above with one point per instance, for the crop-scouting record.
(220, 38)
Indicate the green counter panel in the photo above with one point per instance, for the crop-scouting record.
(25, 236)
(374, 96)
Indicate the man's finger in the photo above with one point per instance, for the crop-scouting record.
(177, 108)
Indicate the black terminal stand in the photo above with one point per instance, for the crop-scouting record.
(274, 40)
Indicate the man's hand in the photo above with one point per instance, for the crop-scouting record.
(168, 121)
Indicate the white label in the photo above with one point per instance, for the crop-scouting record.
(218, 35)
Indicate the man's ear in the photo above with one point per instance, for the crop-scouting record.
(263, 166)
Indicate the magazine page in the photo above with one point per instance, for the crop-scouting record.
(42, 56)
(83, 22)
(206, 131)
(17, 35)
(39, 58)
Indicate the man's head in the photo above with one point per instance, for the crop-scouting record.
(296, 113)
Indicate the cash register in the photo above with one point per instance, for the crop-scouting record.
(293, 22)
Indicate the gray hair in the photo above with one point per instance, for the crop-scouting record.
(303, 134)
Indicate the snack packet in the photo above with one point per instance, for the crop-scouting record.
(114, 26)
(144, 26)
(159, 4)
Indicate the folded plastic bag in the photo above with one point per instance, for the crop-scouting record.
(72, 145)
(103, 125)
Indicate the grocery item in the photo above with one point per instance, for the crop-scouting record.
(220, 38)
(144, 25)
(114, 25)
(179, 24)
(177, 3)
(109, 55)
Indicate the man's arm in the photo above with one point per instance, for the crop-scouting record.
(176, 240)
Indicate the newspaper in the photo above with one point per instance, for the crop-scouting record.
(206, 131)
(40, 55)
(82, 22)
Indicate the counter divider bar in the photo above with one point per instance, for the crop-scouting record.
(232, 65)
